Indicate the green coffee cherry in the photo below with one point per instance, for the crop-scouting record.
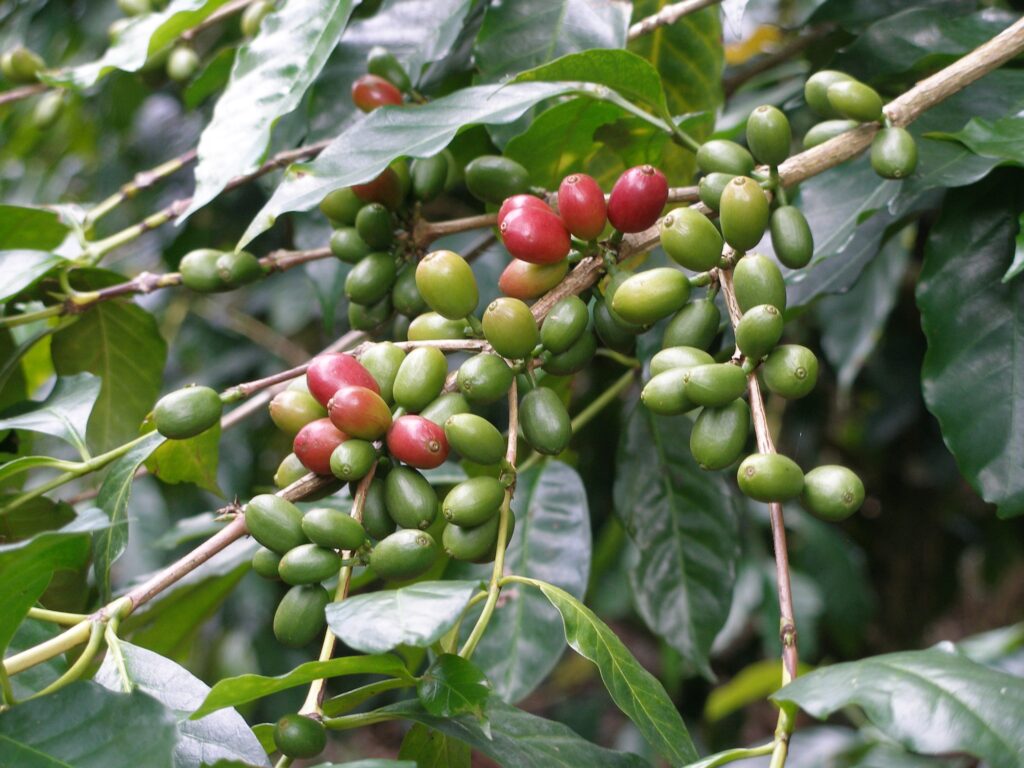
(545, 421)
(791, 371)
(446, 282)
(679, 357)
(376, 519)
(47, 110)
(710, 188)
(299, 618)
(182, 63)
(265, 562)
(743, 213)
(308, 564)
(769, 135)
(420, 378)
(199, 271)
(289, 470)
(405, 295)
(333, 529)
(473, 502)
(21, 66)
(410, 500)
(472, 544)
(291, 410)
(822, 132)
(369, 317)
(715, 385)
(187, 412)
(371, 279)
(383, 360)
(475, 438)
(444, 407)
(352, 460)
(724, 156)
(341, 206)
(691, 240)
(575, 358)
(403, 555)
(832, 492)
(894, 153)
(770, 477)
(253, 16)
(429, 175)
(646, 297)
(348, 246)
(719, 435)
(375, 226)
(816, 91)
(299, 736)
(759, 330)
(695, 325)
(665, 393)
(274, 522)
(856, 101)
(791, 237)
(382, 63)
(492, 178)
(430, 326)
(611, 330)
(757, 280)
(565, 324)
(510, 328)
(237, 268)
(610, 288)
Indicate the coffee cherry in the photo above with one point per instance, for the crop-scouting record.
(719, 435)
(299, 736)
(743, 213)
(695, 325)
(199, 271)
(484, 378)
(237, 268)
(383, 360)
(135, 7)
(274, 522)
(575, 358)
(472, 544)
(724, 156)
(646, 297)
(475, 438)
(565, 324)
(715, 385)
(832, 492)
(418, 442)
(769, 135)
(409, 499)
(510, 327)
(405, 554)
(182, 63)
(492, 178)
(429, 175)
(347, 245)
(822, 132)
(637, 198)
(308, 564)
(545, 421)
(791, 371)
(816, 91)
(581, 206)
(387, 188)
(534, 235)
(430, 326)
(375, 226)
(47, 110)
(381, 62)
(679, 357)
(299, 618)
(405, 296)
(444, 407)
(894, 153)
(376, 519)
(21, 66)
(770, 477)
(758, 280)
(710, 189)
(856, 101)
(759, 330)
(371, 91)
(614, 333)
(288, 471)
(187, 412)
(510, 204)
(291, 410)
(523, 280)
(330, 372)
(473, 502)
(265, 562)
(691, 240)
(420, 378)
(791, 237)
(369, 317)
(371, 279)
(333, 529)
(253, 16)
(447, 284)
(610, 288)
(341, 206)
(352, 460)
(315, 443)
(665, 393)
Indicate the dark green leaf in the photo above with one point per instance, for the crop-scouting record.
(452, 686)
(33, 229)
(86, 726)
(64, 413)
(1002, 139)
(416, 615)
(189, 461)
(932, 701)
(221, 736)
(973, 321)
(211, 79)
(22, 268)
(269, 77)
(684, 524)
(33, 517)
(233, 691)
(433, 749)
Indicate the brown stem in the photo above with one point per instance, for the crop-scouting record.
(17, 94)
(670, 14)
(225, 11)
(426, 232)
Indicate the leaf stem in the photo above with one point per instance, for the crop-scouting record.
(731, 755)
(348, 722)
(56, 617)
(10, 321)
(81, 663)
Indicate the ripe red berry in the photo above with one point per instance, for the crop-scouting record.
(359, 412)
(637, 199)
(370, 92)
(418, 442)
(386, 189)
(521, 201)
(315, 443)
(329, 373)
(581, 206)
(534, 235)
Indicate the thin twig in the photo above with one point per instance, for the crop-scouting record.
(670, 14)
(17, 94)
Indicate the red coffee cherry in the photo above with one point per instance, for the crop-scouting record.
(521, 201)
(370, 92)
(315, 443)
(637, 199)
(534, 235)
(581, 206)
(359, 412)
(418, 442)
(386, 189)
(329, 373)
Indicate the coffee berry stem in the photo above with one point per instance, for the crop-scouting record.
(56, 617)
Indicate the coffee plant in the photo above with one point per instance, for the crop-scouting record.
(685, 336)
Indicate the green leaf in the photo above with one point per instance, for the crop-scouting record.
(933, 702)
(551, 543)
(452, 686)
(221, 736)
(34, 229)
(189, 461)
(684, 523)
(35, 678)
(973, 369)
(417, 615)
(233, 691)
(1002, 139)
(211, 79)
(21, 269)
(366, 148)
(64, 413)
(113, 500)
(526, 33)
(518, 739)
(269, 77)
(751, 684)
(633, 689)
(86, 726)
(33, 517)
(433, 749)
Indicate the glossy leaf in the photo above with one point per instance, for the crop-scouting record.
(269, 77)
(933, 702)
(1002, 139)
(22, 268)
(973, 323)
(453, 685)
(189, 461)
(65, 411)
(416, 615)
(221, 736)
(432, 749)
(35, 229)
(684, 524)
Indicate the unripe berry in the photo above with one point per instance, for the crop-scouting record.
(637, 198)
(523, 280)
